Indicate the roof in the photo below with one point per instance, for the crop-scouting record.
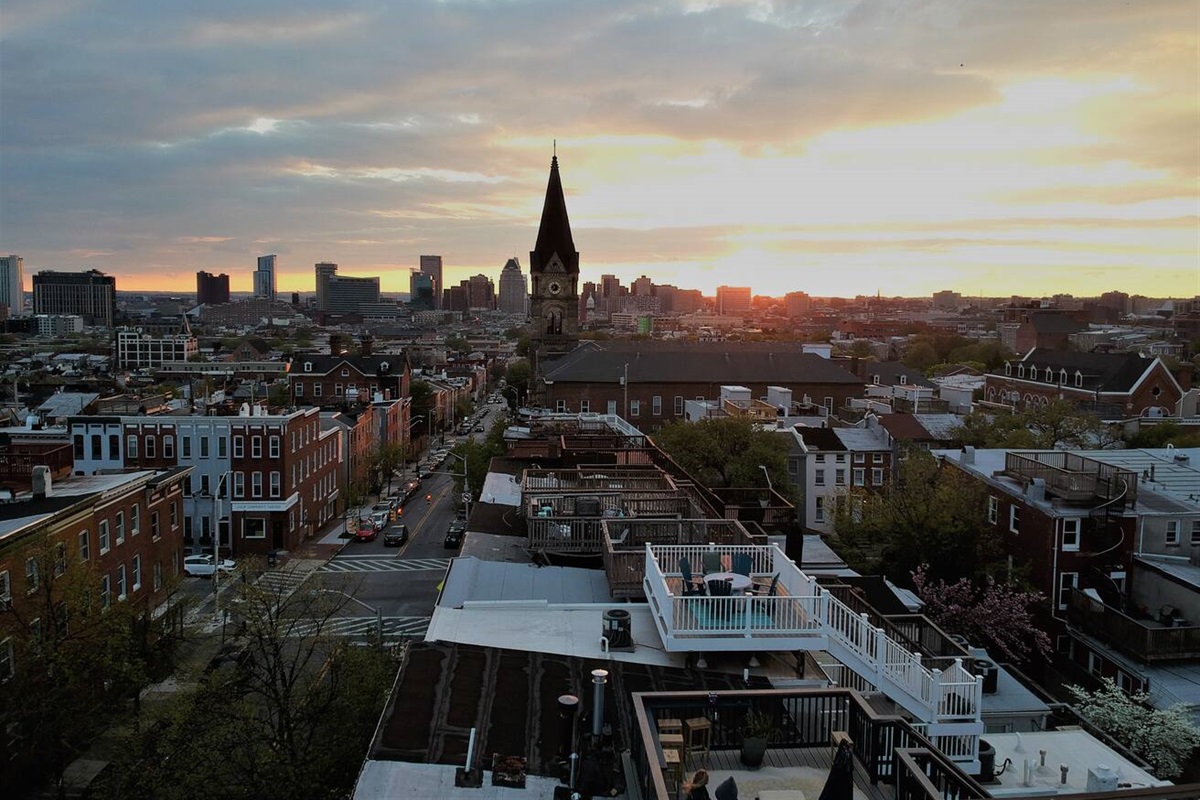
(904, 427)
(367, 365)
(716, 363)
(820, 438)
(940, 426)
(63, 404)
(554, 232)
(861, 439)
(1106, 372)
(470, 579)
(1055, 322)
(890, 372)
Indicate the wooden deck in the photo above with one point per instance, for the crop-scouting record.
(775, 768)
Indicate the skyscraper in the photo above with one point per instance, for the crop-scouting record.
(343, 294)
(12, 285)
(212, 289)
(421, 293)
(514, 292)
(733, 299)
(264, 278)
(432, 266)
(91, 295)
(324, 271)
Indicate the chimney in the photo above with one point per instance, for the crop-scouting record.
(41, 483)
(968, 455)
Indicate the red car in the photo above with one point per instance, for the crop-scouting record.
(365, 533)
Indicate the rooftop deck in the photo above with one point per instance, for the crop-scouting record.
(624, 545)
(1074, 477)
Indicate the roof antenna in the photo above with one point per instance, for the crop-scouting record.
(555, 147)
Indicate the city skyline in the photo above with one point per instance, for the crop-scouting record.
(994, 149)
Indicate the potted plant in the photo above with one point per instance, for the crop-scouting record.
(758, 730)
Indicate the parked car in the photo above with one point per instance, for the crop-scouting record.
(366, 533)
(386, 508)
(454, 533)
(203, 566)
(379, 520)
(425, 473)
(396, 536)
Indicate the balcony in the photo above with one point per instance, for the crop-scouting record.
(802, 615)
(1146, 640)
(1073, 477)
(624, 545)
(892, 759)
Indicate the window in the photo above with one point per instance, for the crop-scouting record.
(993, 512)
(1014, 518)
(819, 515)
(299, 389)
(612, 408)
(560, 406)
(1066, 582)
(121, 525)
(275, 484)
(131, 446)
(1020, 370)
(859, 476)
(84, 551)
(135, 519)
(819, 477)
(1078, 378)
(839, 477)
(308, 366)
(585, 407)
(174, 516)
(78, 444)
(903, 380)
(877, 458)
(104, 544)
(222, 447)
(239, 485)
(97, 453)
(316, 390)
(1172, 533)
(5, 590)
(60, 559)
(157, 575)
(840, 458)
(345, 373)
(6, 660)
(273, 452)
(168, 446)
(149, 447)
(137, 572)
(114, 447)
(254, 528)
(337, 390)
(860, 458)
(256, 484)
(876, 476)
(121, 587)
(635, 408)
(33, 574)
(105, 591)
(239, 447)
(154, 524)
(656, 405)
(256, 447)
(185, 447)
(1196, 531)
(1070, 535)
(820, 458)
(203, 484)
(828, 403)
(679, 405)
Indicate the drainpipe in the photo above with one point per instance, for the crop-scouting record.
(599, 678)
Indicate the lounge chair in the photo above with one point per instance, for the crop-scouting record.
(766, 590)
(742, 564)
(690, 586)
(712, 562)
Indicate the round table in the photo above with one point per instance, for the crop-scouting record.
(738, 582)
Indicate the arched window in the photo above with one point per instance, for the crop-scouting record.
(1020, 370)
(1007, 368)
(1062, 377)
(1078, 378)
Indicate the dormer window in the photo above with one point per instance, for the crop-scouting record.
(1078, 378)
(903, 380)
(308, 366)
(1062, 376)
(875, 379)
(384, 366)
(1007, 368)
(345, 373)
(1049, 375)
(1020, 370)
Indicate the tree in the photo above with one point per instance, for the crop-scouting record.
(726, 451)
(289, 714)
(422, 401)
(1165, 738)
(920, 356)
(457, 344)
(1163, 434)
(383, 463)
(925, 515)
(994, 614)
(478, 456)
(519, 375)
(1057, 425)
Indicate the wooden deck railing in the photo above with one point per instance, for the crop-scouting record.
(1148, 642)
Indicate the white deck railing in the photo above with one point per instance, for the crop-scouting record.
(801, 616)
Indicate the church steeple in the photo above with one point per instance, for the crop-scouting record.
(554, 234)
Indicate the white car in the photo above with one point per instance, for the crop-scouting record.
(203, 566)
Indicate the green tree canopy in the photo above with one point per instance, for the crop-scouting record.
(1061, 425)
(927, 515)
(726, 451)
(1163, 434)
(519, 375)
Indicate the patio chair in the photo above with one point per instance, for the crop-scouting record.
(690, 585)
(766, 590)
(720, 588)
(742, 564)
(712, 562)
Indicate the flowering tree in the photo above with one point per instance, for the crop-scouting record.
(1165, 738)
(995, 614)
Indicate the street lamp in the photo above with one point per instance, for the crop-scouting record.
(352, 598)
(224, 478)
(408, 436)
(763, 467)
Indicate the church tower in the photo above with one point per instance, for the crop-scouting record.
(554, 279)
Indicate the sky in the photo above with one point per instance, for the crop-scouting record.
(1023, 147)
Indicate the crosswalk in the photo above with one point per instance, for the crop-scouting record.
(281, 583)
(363, 627)
(385, 564)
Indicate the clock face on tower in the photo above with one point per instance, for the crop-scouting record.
(555, 287)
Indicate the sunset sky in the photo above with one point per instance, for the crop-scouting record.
(994, 148)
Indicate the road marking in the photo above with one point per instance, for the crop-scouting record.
(362, 627)
(386, 564)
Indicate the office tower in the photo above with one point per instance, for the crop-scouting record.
(91, 295)
(432, 266)
(12, 285)
(733, 299)
(514, 291)
(421, 292)
(797, 304)
(211, 289)
(643, 287)
(481, 292)
(324, 271)
(264, 278)
(455, 298)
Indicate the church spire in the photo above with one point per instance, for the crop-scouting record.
(554, 234)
